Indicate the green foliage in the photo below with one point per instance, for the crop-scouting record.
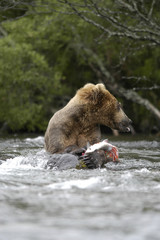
(43, 62)
(37, 65)
(26, 86)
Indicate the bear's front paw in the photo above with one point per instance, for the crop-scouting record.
(78, 152)
(93, 160)
(90, 161)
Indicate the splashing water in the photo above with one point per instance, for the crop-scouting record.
(119, 202)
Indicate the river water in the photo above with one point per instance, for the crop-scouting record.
(120, 202)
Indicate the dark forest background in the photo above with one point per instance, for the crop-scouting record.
(49, 49)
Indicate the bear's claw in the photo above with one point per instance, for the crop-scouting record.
(90, 160)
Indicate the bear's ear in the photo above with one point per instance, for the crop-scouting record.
(100, 86)
(92, 93)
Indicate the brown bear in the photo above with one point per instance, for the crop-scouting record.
(78, 122)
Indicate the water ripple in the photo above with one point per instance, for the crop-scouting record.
(118, 202)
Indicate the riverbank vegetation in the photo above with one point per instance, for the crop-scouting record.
(49, 49)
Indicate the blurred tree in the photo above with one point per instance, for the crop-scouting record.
(23, 86)
(138, 22)
(47, 52)
(38, 71)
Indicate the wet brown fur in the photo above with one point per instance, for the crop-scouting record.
(78, 122)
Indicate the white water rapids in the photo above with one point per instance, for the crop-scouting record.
(119, 202)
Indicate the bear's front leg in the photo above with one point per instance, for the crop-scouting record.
(75, 150)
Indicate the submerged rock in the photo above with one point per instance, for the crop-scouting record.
(62, 161)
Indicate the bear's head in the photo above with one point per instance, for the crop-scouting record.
(103, 107)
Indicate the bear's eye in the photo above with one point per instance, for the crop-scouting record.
(118, 106)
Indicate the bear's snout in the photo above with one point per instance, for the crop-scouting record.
(124, 125)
